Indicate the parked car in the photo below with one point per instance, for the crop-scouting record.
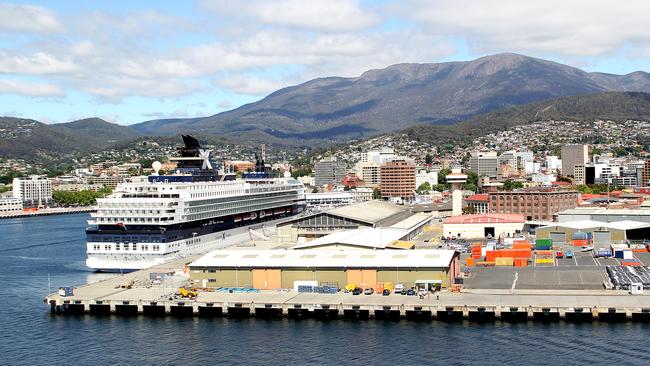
(357, 291)
(569, 254)
(386, 292)
(587, 248)
(559, 254)
(399, 288)
(368, 291)
(410, 292)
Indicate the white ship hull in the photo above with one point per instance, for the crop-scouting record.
(128, 261)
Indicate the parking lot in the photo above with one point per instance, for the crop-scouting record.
(582, 272)
(562, 278)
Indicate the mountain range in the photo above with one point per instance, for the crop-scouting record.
(398, 97)
(450, 96)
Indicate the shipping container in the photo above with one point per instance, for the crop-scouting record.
(579, 235)
(505, 261)
(628, 254)
(631, 263)
(545, 242)
(544, 260)
(604, 253)
(66, 291)
(579, 242)
(469, 262)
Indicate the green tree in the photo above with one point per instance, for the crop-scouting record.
(469, 210)
(376, 194)
(424, 188)
(509, 185)
(428, 159)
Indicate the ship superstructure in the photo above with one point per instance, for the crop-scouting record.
(145, 223)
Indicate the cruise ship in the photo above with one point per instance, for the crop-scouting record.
(164, 217)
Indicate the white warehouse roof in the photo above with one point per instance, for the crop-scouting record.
(430, 258)
(588, 224)
(377, 238)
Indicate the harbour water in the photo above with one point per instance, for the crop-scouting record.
(33, 249)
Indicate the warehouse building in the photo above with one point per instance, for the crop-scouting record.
(279, 269)
(366, 238)
(483, 226)
(602, 233)
(370, 214)
(604, 214)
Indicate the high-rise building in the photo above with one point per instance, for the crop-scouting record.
(484, 164)
(370, 173)
(572, 155)
(329, 171)
(397, 179)
(33, 191)
(645, 174)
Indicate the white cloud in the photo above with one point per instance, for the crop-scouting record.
(28, 18)
(323, 15)
(30, 89)
(36, 64)
(573, 28)
(252, 85)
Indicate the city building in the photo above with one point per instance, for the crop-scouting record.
(645, 174)
(423, 176)
(106, 180)
(479, 202)
(572, 155)
(483, 226)
(603, 214)
(238, 166)
(328, 200)
(10, 205)
(361, 194)
(275, 269)
(553, 163)
(33, 191)
(397, 180)
(329, 171)
(484, 164)
(378, 157)
(371, 174)
(602, 233)
(533, 204)
(352, 182)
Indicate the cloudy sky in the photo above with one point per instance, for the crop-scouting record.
(129, 62)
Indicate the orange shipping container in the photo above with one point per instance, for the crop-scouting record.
(631, 263)
(521, 246)
(579, 242)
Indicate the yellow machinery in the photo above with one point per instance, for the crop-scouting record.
(187, 293)
(350, 286)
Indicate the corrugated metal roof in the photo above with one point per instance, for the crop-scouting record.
(369, 211)
(590, 224)
(485, 219)
(367, 237)
(430, 258)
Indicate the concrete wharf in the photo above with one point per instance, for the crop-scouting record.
(111, 296)
(47, 212)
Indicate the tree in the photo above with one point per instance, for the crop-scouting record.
(442, 175)
(428, 159)
(315, 190)
(509, 185)
(376, 194)
(469, 210)
(470, 187)
(424, 188)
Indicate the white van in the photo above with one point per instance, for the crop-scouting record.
(399, 288)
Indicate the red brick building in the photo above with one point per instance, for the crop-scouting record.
(534, 204)
(397, 179)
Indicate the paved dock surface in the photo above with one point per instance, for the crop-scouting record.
(137, 294)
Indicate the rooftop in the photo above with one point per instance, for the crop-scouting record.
(429, 258)
(373, 211)
(369, 238)
(485, 219)
(479, 197)
(590, 224)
